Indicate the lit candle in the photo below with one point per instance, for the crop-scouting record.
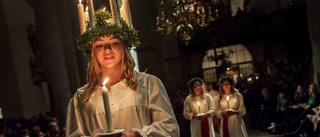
(81, 16)
(122, 14)
(105, 98)
(91, 13)
(198, 106)
(127, 12)
(227, 98)
(202, 10)
(1, 116)
(114, 11)
(86, 17)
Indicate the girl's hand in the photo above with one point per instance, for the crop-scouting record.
(307, 107)
(295, 106)
(207, 115)
(224, 114)
(130, 133)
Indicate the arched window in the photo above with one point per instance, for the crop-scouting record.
(233, 60)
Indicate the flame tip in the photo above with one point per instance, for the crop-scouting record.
(105, 81)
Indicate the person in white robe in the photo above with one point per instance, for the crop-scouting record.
(213, 93)
(230, 109)
(139, 104)
(206, 89)
(199, 108)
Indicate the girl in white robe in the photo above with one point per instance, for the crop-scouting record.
(199, 108)
(139, 103)
(230, 109)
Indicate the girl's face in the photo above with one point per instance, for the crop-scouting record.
(226, 86)
(282, 94)
(197, 88)
(205, 86)
(108, 52)
(299, 89)
(311, 87)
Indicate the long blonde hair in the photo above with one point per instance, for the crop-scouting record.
(94, 72)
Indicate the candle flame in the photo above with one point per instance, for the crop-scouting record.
(105, 81)
(227, 98)
(87, 9)
(79, 1)
(198, 103)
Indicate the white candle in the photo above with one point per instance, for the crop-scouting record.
(105, 98)
(198, 106)
(227, 98)
(122, 14)
(1, 116)
(91, 13)
(114, 11)
(81, 16)
(127, 12)
(86, 17)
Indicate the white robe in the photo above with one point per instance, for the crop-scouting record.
(213, 93)
(236, 126)
(206, 106)
(147, 111)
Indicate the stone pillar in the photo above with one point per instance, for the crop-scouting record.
(52, 45)
(313, 11)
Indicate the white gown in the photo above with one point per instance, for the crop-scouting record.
(147, 111)
(236, 126)
(206, 106)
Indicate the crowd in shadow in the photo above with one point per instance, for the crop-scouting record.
(38, 126)
(278, 108)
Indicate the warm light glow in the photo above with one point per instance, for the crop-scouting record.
(198, 103)
(227, 98)
(105, 81)
(79, 1)
(87, 9)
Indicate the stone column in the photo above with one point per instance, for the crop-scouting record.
(52, 45)
(313, 11)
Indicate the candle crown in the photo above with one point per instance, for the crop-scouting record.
(103, 27)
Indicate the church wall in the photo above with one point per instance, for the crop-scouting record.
(8, 76)
(158, 54)
(23, 98)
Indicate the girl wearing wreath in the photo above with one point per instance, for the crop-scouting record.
(230, 109)
(199, 108)
(139, 102)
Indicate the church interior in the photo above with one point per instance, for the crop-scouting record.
(252, 41)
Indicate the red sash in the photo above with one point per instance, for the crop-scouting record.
(215, 123)
(205, 127)
(225, 131)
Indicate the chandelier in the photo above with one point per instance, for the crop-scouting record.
(184, 17)
(222, 55)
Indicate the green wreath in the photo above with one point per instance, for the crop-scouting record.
(103, 28)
